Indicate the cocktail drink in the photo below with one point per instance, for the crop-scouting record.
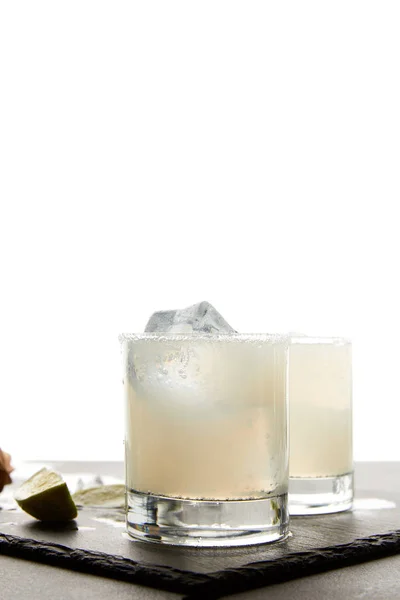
(206, 437)
(320, 397)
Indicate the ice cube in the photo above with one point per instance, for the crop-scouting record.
(201, 317)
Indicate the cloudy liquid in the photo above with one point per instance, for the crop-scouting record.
(320, 397)
(206, 418)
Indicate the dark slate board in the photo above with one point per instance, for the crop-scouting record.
(96, 543)
(196, 585)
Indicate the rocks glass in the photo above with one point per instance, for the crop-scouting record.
(320, 398)
(206, 444)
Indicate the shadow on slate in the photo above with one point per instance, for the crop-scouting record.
(203, 585)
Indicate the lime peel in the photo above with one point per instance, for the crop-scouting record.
(45, 496)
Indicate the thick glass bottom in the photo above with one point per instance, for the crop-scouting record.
(320, 495)
(205, 522)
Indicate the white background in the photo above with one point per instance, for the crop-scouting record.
(155, 154)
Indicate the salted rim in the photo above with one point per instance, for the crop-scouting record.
(314, 339)
(181, 337)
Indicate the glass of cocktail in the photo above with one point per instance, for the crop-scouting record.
(206, 443)
(320, 399)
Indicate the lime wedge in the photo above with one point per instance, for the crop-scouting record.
(46, 497)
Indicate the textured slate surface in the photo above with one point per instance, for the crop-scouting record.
(196, 585)
(26, 580)
(99, 563)
(98, 545)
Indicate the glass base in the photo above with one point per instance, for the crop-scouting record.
(205, 522)
(320, 495)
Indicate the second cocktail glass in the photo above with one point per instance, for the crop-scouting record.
(206, 438)
(320, 398)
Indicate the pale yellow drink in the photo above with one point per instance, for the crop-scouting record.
(206, 416)
(320, 398)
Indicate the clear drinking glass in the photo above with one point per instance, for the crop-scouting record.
(206, 445)
(320, 399)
